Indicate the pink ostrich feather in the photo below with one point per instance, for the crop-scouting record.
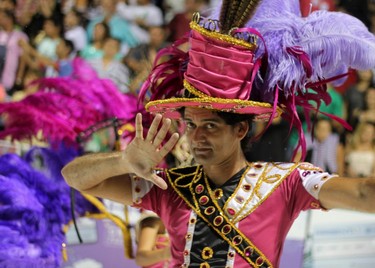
(65, 106)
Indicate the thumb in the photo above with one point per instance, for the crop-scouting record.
(158, 181)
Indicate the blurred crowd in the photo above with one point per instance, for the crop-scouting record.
(120, 39)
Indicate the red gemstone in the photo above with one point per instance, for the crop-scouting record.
(209, 210)
(231, 211)
(203, 200)
(226, 229)
(237, 240)
(252, 174)
(137, 189)
(246, 187)
(186, 252)
(218, 220)
(259, 261)
(258, 165)
(231, 254)
(199, 189)
(192, 221)
(249, 251)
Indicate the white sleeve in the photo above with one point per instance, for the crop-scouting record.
(125, 11)
(140, 187)
(313, 178)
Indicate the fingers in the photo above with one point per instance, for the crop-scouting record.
(168, 146)
(158, 181)
(153, 128)
(138, 126)
(162, 133)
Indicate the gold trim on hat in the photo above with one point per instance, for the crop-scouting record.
(222, 37)
(206, 100)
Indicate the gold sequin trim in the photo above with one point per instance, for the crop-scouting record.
(218, 193)
(204, 265)
(222, 37)
(195, 207)
(207, 253)
(206, 101)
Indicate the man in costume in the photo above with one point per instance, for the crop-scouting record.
(225, 211)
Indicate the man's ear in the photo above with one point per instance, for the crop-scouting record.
(242, 129)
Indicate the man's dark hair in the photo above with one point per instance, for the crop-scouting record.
(233, 119)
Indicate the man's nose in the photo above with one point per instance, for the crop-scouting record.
(199, 134)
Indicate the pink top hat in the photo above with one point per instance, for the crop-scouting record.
(219, 74)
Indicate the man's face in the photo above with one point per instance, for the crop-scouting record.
(211, 140)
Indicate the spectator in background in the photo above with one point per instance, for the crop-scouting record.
(143, 15)
(153, 249)
(336, 107)
(360, 151)
(60, 67)
(179, 25)
(140, 59)
(9, 5)
(27, 86)
(31, 15)
(11, 70)
(354, 96)
(74, 30)
(324, 148)
(94, 50)
(368, 113)
(53, 34)
(171, 8)
(110, 67)
(119, 27)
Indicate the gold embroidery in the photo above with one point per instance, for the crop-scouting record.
(218, 193)
(207, 253)
(236, 190)
(204, 265)
(263, 177)
(206, 101)
(196, 208)
(222, 37)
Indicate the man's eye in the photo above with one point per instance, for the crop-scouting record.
(210, 126)
(190, 125)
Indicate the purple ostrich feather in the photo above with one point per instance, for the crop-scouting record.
(35, 205)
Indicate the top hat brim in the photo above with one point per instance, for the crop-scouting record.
(171, 107)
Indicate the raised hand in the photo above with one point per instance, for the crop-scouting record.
(143, 154)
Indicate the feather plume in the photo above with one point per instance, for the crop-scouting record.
(245, 12)
(236, 13)
(66, 106)
(34, 209)
(166, 78)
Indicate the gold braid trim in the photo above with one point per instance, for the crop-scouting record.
(197, 176)
(206, 100)
(222, 37)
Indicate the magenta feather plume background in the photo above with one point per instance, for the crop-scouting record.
(65, 106)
